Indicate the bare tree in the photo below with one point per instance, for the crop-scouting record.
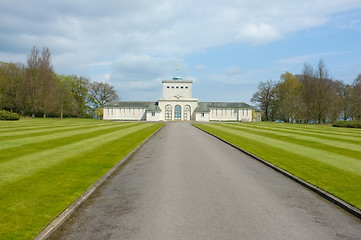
(39, 88)
(101, 93)
(51, 91)
(265, 98)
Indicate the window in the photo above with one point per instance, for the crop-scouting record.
(168, 112)
(186, 86)
(182, 87)
(167, 86)
(177, 87)
(153, 114)
(202, 114)
(177, 112)
(172, 86)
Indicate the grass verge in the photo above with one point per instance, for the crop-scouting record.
(51, 162)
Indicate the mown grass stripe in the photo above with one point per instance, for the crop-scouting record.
(11, 153)
(339, 147)
(26, 123)
(305, 138)
(34, 123)
(23, 166)
(43, 131)
(321, 134)
(349, 164)
(313, 143)
(313, 129)
(52, 136)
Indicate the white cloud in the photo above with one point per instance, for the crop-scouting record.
(142, 75)
(304, 58)
(233, 71)
(235, 75)
(101, 78)
(142, 67)
(159, 27)
(258, 33)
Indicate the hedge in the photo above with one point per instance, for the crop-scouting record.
(347, 124)
(6, 115)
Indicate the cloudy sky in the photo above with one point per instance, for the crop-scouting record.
(226, 47)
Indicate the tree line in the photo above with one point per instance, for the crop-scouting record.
(36, 90)
(309, 97)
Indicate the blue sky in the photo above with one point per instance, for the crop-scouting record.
(226, 47)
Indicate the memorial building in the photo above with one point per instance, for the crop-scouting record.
(178, 104)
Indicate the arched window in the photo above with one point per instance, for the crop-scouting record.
(177, 112)
(187, 113)
(168, 112)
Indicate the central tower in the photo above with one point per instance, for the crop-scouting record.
(177, 89)
(177, 102)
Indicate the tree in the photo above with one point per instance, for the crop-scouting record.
(11, 76)
(35, 90)
(30, 87)
(326, 98)
(67, 101)
(308, 91)
(356, 98)
(319, 94)
(40, 92)
(265, 97)
(99, 113)
(344, 110)
(51, 91)
(101, 93)
(290, 106)
(78, 87)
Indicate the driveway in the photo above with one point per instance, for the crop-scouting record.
(186, 184)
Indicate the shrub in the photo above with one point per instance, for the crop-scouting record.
(6, 115)
(347, 124)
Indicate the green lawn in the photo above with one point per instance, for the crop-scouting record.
(45, 164)
(327, 157)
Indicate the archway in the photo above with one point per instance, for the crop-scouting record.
(177, 112)
(187, 113)
(168, 112)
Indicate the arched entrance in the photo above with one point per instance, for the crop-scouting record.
(168, 112)
(177, 112)
(187, 113)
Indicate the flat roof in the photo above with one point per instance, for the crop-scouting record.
(177, 81)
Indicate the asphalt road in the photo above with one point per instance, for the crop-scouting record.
(185, 184)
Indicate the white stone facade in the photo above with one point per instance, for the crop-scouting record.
(177, 104)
